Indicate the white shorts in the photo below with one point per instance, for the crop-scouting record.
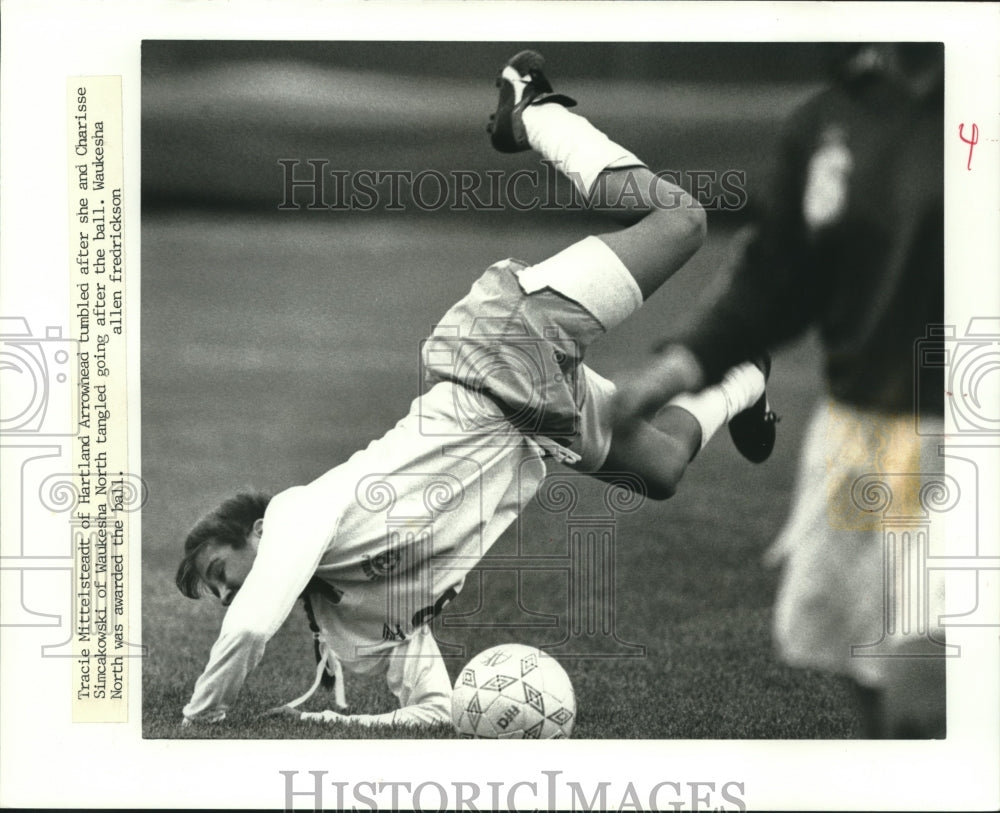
(855, 590)
(519, 337)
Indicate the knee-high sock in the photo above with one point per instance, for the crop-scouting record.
(573, 144)
(717, 405)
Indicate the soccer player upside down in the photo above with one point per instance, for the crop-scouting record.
(508, 389)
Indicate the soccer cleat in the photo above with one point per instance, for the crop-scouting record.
(521, 84)
(753, 430)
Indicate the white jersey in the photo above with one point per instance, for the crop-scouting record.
(393, 531)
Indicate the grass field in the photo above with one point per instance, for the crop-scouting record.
(274, 347)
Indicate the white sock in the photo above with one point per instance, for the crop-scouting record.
(577, 148)
(714, 406)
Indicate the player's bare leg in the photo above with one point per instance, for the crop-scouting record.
(668, 228)
(669, 224)
(613, 273)
(660, 449)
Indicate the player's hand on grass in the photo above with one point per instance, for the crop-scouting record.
(188, 722)
(327, 716)
(286, 712)
(290, 713)
(642, 391)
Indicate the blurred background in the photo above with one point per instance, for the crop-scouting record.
(217, 116)
(276, 343)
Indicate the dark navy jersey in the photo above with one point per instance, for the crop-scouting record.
(850, 239)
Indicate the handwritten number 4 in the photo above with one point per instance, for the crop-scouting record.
(971, 141)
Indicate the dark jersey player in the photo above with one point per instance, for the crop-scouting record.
(850, 241)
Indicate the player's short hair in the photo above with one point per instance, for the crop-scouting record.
(229, 524)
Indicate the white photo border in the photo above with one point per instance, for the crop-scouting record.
(48, 761)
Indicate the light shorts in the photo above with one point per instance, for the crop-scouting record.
(523, 352)
(855, 591)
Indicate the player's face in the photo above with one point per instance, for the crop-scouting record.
(223, 568)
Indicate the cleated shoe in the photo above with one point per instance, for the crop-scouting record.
(521, 84)
(753, 430)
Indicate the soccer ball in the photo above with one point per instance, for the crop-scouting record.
(513, 691)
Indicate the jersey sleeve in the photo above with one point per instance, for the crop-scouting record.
(293, 541)
(416, 675)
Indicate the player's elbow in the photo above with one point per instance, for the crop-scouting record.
(439, 712)
(253, 635)
(435, 708)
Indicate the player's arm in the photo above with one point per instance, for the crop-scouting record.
(290, 549)
(416, 675)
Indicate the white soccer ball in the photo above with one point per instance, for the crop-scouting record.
(513, 691)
